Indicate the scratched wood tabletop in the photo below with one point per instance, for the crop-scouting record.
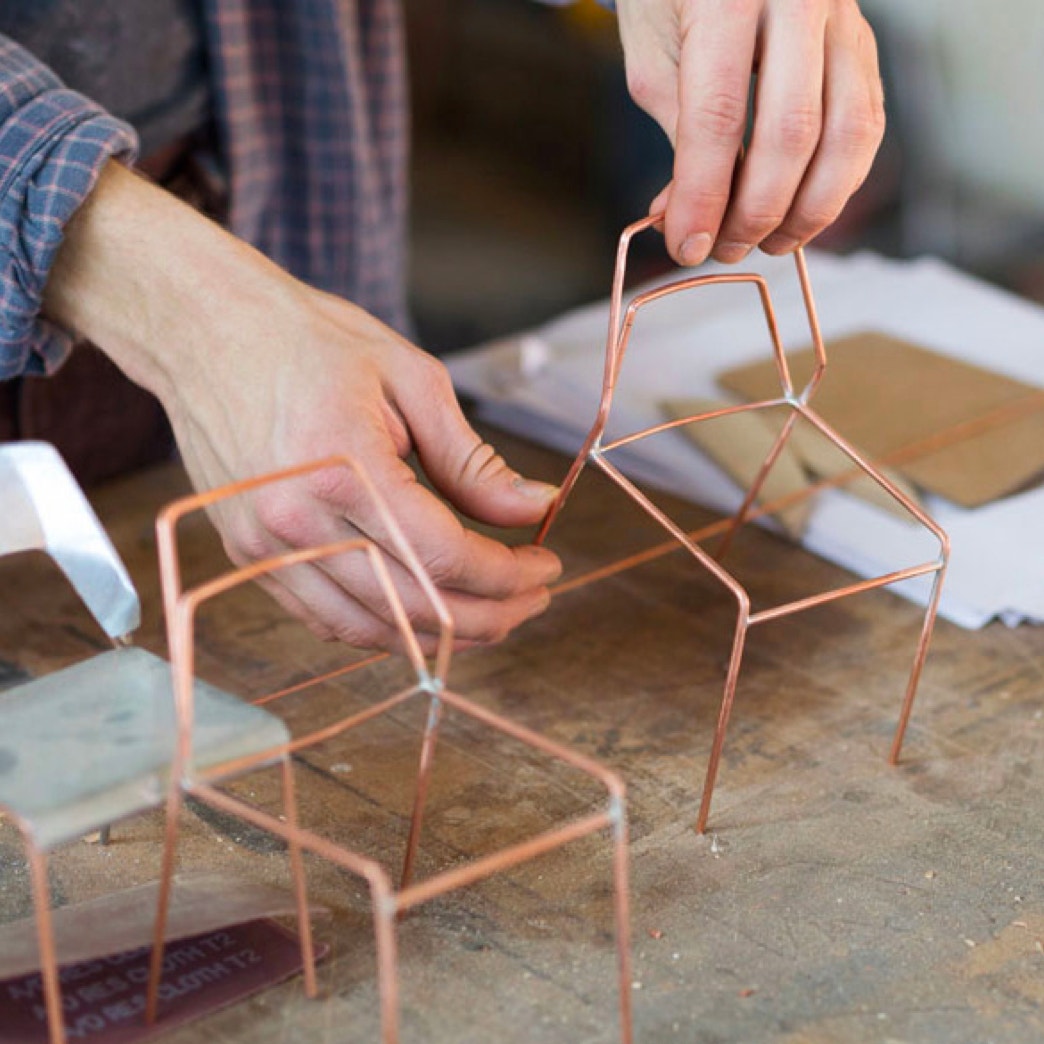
(834, 899)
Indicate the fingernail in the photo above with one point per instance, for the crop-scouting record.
(540, 606)
(730, 253)
(542, 567)
(542, 491)
(553, 572)
(780, 244)
(695, 249)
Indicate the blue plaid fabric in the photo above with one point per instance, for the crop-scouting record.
(311, 110)
(53, 144)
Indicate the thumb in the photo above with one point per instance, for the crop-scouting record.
(464, 468)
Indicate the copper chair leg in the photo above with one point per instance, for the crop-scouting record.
(45, 935)
(297, 871)
(170, 849)
(385, 915)
(622, 917)
(420, 796)
(918, 664)
(735, 660)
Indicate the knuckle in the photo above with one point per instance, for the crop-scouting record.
(339, 487)
(798, 131)
(812, 219)
(700, 198)
(430, 383)
(284, 516)
(416, 612)
(758, 220)
(445, 567)
(434, 373)
(248, 544)
(363, 635)
(865, 35)
(878, 116)
(722, 115)
(418, 622)
(860, 132)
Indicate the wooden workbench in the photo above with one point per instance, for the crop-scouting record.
(835, 899)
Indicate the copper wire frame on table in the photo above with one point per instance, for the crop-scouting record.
(595, 450)
(181, 605)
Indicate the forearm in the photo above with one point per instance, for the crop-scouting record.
(157, 286)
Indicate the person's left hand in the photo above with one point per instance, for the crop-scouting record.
(818, 116)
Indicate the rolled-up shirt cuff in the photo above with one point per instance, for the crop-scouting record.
(53, 148)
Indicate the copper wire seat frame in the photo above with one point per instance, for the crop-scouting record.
(595, 451)
(388, 903)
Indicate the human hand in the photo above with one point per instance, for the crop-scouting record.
(258, 372)
(818, 116)
(313, 377)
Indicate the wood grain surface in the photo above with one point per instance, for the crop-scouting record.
(836, 899)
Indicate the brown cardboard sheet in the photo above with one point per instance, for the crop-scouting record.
(886, 395)
(739, 444)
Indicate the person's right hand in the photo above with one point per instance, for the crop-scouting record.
(259, 372)
(817, 116)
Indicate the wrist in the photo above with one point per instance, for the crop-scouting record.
(157, 286)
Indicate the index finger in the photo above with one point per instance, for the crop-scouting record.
(456, 558)
(714, 70)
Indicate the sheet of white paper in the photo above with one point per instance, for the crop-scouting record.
(546, 383)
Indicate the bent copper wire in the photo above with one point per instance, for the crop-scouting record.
(182, 604)
(594, 451)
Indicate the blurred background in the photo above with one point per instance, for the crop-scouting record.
(529, 155)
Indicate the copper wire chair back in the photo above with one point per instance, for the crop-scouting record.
(595, 450)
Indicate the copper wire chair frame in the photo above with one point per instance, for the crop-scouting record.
(388, 905)
(594, 451)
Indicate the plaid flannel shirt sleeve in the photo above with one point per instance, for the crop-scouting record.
(53, 145)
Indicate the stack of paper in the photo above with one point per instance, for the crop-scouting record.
(545, 385)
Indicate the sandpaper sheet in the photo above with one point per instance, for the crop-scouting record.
(884, 394)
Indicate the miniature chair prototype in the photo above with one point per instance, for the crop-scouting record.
(91, 744)
(204, 782)
(595, 451)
